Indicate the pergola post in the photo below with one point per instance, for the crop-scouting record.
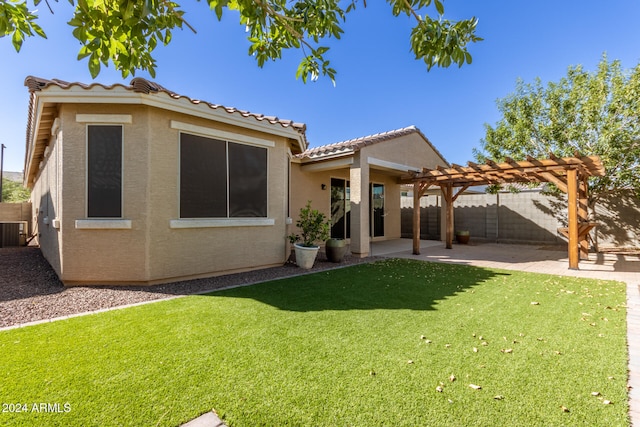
(572, 187)
(583, 215)
(569, 174)
(447, 191)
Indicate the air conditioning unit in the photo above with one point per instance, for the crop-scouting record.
(13, 234)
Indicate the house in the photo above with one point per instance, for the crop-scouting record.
(361, 178)
(138, 184)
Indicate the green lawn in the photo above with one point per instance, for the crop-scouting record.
(361, 346)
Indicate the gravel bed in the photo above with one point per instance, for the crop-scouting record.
(30, 290)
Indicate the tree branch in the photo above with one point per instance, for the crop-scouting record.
(169, 6)
(412, 12)
(283, 19)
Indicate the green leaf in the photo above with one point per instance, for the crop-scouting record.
(439, 7)
(84, 52)
(94, 65)
(108, 28)
(39, 31)
(17, 40)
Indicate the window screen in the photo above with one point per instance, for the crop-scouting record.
(203, 177)
(104, 174)
(221, 179)
(247, 181)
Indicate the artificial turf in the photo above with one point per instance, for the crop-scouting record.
(392, 343)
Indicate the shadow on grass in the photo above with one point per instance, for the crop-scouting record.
(389, 284)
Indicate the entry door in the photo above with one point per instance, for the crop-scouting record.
(377, 210)
(340, 209)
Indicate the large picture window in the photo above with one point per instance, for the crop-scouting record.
(104, 171)
(221, 179)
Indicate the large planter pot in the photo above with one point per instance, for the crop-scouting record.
(335, 249)
(462, 237)
(306, 255)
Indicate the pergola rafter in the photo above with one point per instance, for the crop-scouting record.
(569, 174)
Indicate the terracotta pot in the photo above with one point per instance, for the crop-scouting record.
(462, 237)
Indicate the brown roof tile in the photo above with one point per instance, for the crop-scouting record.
(36, 139)
(353, 145)
(141, 85)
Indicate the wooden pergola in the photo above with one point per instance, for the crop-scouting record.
(569, 174)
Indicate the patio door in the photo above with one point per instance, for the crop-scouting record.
(377, 210)
(340, 209)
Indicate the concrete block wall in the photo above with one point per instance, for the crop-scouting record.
(618, 218)
(15, 221)
(429, 217)
(15, 211)
(524, 217)
(527, 217)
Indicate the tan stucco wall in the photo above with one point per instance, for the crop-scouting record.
(104, 255)
(308, 186)
(202, 251)
(46, 204)
(150, 251)
(410, 150)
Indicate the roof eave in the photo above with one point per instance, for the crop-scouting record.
(97, 94)
(118, 95)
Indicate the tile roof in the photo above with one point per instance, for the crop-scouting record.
(353, 145)
(141, 85)
(37, 139)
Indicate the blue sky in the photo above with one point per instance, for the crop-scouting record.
(380, 86)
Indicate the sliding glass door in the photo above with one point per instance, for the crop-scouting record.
(377, 210)
(340, 209)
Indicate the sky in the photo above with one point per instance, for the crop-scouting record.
(380, 86)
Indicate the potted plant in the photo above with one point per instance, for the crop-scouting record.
(314, 227)
(462, 236)
(335, 249)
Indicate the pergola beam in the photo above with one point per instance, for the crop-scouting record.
(569, 174)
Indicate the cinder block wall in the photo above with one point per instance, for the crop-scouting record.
(13, 233)
(15, 211)
(526, 217)
(618, 219)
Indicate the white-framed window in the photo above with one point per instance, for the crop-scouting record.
(221, 178)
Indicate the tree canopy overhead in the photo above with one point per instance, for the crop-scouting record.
(594, 113)
(126, 32)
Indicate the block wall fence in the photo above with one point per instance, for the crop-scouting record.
(528, 217)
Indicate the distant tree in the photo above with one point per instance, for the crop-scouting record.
(594, 113)
(125, 32)
(13, 191)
